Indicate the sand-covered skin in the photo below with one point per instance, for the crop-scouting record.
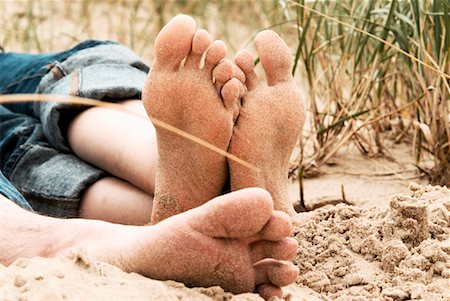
(402, 253)
(184, 96)
(346, 253)
(270, 121)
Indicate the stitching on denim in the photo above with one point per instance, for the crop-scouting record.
(15, 158)
(74, 83)
(21, 80)
(54, 206)
(80, 83)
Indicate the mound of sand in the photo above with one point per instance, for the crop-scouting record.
(346, 253)
(402, 253)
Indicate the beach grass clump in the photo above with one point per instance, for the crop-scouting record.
(376, 70)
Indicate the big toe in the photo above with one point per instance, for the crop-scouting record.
(275, 57)
(239, 214)
(174, 42)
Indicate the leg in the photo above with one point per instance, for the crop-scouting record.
(242, 255)
(122, 143)
(185, 97)
(114, 200)
(269, 123)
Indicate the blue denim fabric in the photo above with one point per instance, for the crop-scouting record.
(106, 72)
(34, 153)
(22, 72)
(9, 191)
(51, 182)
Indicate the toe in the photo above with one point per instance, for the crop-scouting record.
(275, 57)
(267, 291)
(239, 74)
(244, 61)
(285, 249)
(231, 92)
(215, 54)
(278, 227)
(173, 42)
(200, 43)
(222, 73)
(238, 214)
(275, 272)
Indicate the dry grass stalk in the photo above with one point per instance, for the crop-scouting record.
(93, 102)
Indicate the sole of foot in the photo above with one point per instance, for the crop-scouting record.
(181, 91)
(270, 121)
(236, 241)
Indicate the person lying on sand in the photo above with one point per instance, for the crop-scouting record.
(49, 150)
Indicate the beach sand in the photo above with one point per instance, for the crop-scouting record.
(386, 246)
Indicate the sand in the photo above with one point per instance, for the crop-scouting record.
(401, 253)
(346, 253)
(392, 244)
(75, 277)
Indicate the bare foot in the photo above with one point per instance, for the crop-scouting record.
(235, 241)
(270, 121)
(189, 174)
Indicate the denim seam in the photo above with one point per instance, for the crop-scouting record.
(15, 158)
(22, 80)
(75, 83)
(80, 82)
(70, 210)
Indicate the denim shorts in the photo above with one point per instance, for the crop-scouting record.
(9, 191)
(35, 158)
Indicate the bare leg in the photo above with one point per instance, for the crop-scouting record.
(122, 143)
(241, 256)
(185, 97)
(269, 123)
(114, 200)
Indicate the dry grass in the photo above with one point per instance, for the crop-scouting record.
(372, 71)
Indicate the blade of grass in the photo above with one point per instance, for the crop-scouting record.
(12, 98)
(380, 40)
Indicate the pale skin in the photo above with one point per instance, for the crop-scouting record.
(159, 175)
(270, 120)
(261, 233)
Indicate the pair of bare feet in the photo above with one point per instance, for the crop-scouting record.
(236, 240)
(192, 87)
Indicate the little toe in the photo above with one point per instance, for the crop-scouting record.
(174, 42)
(267, 291)
(216, 52)
(238, 214)
(284, 249)
(231, 92)
(275, 272)
(275, 56)
(200, 43)
(244, 60)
